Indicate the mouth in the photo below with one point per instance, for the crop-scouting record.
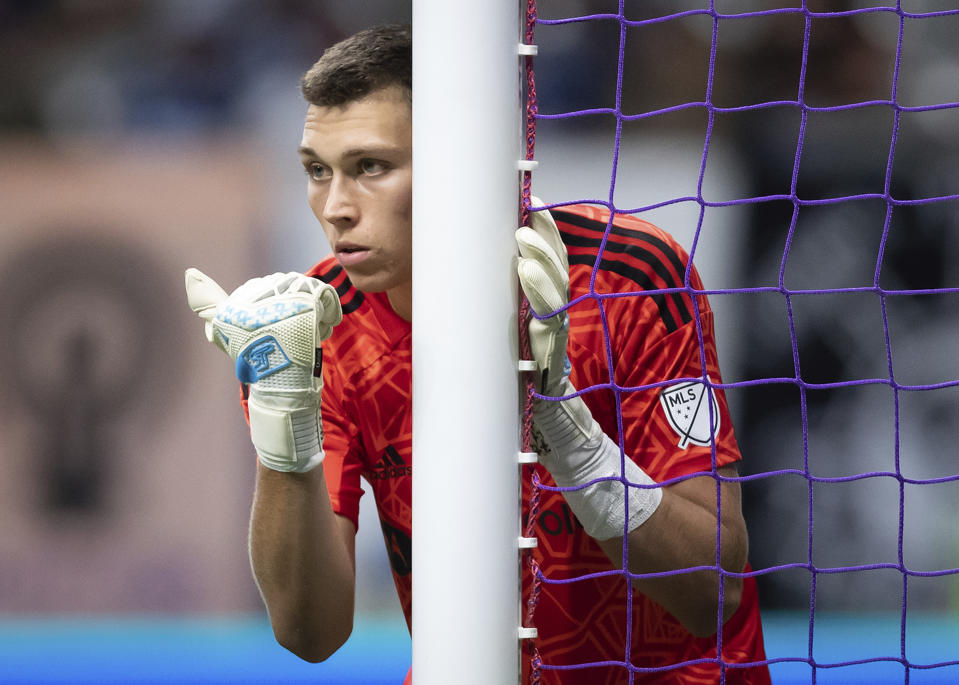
(348, 254)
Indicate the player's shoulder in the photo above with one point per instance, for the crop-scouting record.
(368, 332)
(632, 248)
(592, 221)
(329, 271)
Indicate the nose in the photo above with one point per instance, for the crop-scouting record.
(340, 206)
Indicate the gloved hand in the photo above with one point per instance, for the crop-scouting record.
(579, 451)
(272, 328)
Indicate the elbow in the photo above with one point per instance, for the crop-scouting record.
(313, 645)
(732, 597)
(312, 628)
(705, 621)
(723, 593)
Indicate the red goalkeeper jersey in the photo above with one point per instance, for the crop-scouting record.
(667, 429)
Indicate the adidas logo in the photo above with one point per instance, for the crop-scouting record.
(390, 465)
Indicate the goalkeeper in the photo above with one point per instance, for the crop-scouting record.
(319, 422)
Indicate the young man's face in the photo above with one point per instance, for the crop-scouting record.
(359, 160)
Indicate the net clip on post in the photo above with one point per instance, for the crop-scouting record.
(527, 164)
(527, 365)
(528, 458)
(525, 633)
(527, 50)
(527, 543)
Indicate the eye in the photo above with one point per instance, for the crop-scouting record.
(372, 167)
(316, 171)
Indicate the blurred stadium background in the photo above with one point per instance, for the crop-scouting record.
(139, 137)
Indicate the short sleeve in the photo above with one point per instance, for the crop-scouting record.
(672, 425)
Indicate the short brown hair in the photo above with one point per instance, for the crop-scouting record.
(367, 61)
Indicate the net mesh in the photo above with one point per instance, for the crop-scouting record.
(825, 117)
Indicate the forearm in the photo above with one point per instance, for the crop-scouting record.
(301, 552)
(303, 563)
(682, 533)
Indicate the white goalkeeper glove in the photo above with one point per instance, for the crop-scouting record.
(272, 328)
(578, 450)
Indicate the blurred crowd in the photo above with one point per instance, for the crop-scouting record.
(108, 66)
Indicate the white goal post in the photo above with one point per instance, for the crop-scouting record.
(467, 132)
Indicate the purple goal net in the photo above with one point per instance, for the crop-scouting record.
(806, 155)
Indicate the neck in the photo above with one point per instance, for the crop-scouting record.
(401, 300)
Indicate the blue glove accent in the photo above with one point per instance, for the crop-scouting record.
(260, 359)
(253, 317)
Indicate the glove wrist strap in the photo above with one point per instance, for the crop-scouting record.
(285, 431)
(607, 508)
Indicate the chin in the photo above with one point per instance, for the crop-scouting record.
(366, 284)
